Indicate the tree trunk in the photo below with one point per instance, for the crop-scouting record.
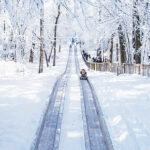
(60, 46)
(46, 59)
(49, 58)
(55, 35)
(41, 43)
(117, 52)
(136, 40)
(122, 44)
(31, 56)
(15, 55)
(111, 49)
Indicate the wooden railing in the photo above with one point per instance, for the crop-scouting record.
(117, 68)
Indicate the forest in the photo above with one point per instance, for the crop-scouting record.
(35, 30)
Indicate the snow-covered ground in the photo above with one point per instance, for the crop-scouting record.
(10, 68)
(24, 95)
(125, 102)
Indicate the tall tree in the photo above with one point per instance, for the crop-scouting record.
(136, 32)
(55, 35)
(41, 42)
(122, 44)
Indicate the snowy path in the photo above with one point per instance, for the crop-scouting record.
(72, 133)
(72, 120)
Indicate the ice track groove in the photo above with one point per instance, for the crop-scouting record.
(95, 127)
(49, 133)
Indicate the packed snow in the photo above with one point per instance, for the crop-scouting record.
(125, 101)
(10, 68)
(24, 95)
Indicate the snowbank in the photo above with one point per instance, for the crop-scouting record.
(125, 101)
(8, 68)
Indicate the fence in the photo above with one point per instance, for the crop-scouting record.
(140, 69)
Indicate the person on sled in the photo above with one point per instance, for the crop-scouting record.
(83, 74)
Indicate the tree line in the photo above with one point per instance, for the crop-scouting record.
(35, 30)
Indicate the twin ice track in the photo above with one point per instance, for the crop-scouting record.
(96, 134)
